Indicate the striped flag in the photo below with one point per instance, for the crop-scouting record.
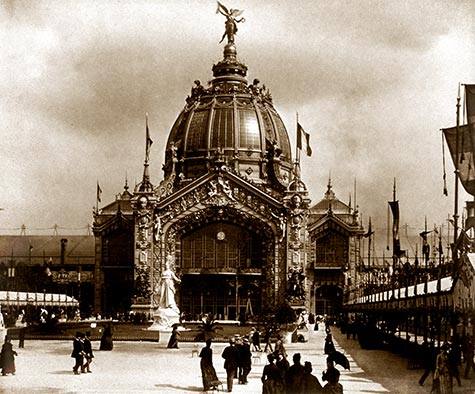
(300, 132)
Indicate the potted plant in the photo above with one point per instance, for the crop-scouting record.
(207, 329)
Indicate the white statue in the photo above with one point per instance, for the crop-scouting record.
(2, 322)
(167, 286)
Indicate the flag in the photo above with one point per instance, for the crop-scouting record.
(465, 160)
(99, 192)
(470, 105)
(425, 245)
(301, 131)
(148, 142)
(370, 230)
(396, 243)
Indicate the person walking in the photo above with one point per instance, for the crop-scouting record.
(106, 339)
(441, 383)
(283, 365)
(78, 352)
(428, 360)
(256, 340)
(454, 359)
(310, 383)
(88, 354)
(245, 362)
(468, 350)
(231, 362)
(294, 377)
(329, 347)
(271, 377)
(279, 347)
(208, 373)
(21, 337)
(7, 357)
(173, 342)
(267, 340)
(332, 377)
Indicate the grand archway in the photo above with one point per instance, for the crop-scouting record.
(221, 267)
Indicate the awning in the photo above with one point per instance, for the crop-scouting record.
(36, 299)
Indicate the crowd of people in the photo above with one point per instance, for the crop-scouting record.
(447, 363)
(278, 375)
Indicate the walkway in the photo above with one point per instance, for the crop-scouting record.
(45, 367)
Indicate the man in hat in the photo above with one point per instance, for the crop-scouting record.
(88, 355)
(245, 362)
(231, 362)
(78, 352)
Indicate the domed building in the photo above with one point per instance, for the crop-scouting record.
(230, 212)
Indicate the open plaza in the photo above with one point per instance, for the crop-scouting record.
(45, 367)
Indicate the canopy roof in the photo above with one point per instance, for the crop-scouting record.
(36, 299)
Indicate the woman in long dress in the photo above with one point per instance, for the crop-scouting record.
(173, 342)
(7, 357)
(441, 375)
(208, 373)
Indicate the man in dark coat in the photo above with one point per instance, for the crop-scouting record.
(245, 362)
(88, 355)
(21, 337)
(310, 383)
(429, 356)
(78, 352)
(294, 377)
(231, 362)
(467, 349)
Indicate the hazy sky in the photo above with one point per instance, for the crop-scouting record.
(373, 83)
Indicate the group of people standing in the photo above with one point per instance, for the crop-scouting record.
(278, 376)
(445, 363)
(82, 353)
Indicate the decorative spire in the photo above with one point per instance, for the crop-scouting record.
(145, 185)
(329, 195)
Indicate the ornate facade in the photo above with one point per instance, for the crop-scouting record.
(231, 210)
(335, 234)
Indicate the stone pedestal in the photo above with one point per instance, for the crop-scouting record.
(164, 319)
(3, 334)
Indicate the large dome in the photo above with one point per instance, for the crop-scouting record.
(232, 123)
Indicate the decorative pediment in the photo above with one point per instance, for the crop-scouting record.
(331, 223)
(116, 222)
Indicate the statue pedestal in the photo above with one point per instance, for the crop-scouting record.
(164, 319)
(3, 334)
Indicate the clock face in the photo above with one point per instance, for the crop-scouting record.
(220, 236)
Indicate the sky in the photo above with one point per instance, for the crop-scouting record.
(373, 82)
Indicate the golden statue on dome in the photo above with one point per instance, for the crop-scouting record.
(231, 21)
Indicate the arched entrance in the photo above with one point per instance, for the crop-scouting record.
(328, 300)
(221, 267)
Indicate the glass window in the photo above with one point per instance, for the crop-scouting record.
(198, 131)
(249, 136)
(222, 134)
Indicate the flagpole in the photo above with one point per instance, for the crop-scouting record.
(454, 251)
(297, 150)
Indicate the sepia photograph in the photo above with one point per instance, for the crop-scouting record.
(242, 196)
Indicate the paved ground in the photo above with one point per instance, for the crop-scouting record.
(45, 367)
